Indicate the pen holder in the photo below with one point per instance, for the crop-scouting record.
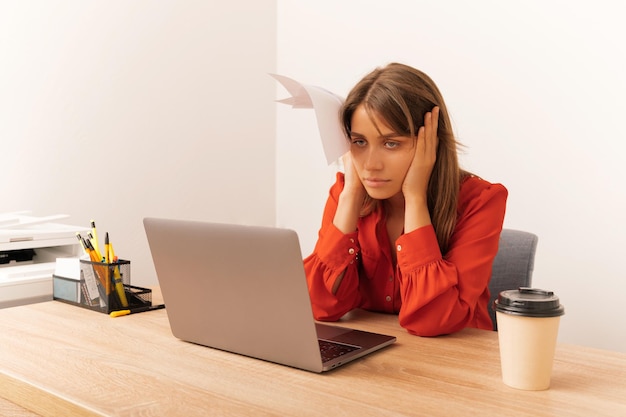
(103, 287)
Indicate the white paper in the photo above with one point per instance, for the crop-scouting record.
(16, 228)
(327, 106)
(68, 268)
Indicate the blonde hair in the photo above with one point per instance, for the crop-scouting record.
(402, 95)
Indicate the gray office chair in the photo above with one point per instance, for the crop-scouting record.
(513, 265)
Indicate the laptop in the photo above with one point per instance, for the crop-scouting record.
(242, 289)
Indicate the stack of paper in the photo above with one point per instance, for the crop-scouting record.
(26, 281)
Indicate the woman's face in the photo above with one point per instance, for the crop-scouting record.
(380, 156)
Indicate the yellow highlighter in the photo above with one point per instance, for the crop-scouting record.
(120, 313)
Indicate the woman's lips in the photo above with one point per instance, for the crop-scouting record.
(375, 182)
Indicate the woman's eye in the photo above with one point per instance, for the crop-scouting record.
(358, 142)
(392, 144)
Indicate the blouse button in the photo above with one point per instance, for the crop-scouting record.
(388, 298)
(399, 248)
(351, 251)
(390, 278)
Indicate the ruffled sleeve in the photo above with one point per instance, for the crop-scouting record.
(334, 253)
(444, 294)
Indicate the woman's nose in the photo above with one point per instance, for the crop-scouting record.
(373, 160)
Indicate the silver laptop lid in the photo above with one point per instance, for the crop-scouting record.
(237, 288)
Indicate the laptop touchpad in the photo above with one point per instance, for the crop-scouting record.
(330, 332)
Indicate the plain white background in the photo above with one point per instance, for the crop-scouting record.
(536, 92)
(119, 110)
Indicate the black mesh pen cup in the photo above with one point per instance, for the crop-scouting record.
(103, 287)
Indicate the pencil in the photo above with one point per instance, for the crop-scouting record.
(95, 237)
(82, 243)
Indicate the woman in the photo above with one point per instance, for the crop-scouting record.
(405, 230)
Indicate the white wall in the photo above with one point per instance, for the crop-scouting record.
(119, 110)
(536, 91)
(116, 110)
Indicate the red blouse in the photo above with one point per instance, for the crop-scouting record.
(432, 294)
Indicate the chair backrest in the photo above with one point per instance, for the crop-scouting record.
(513, 265)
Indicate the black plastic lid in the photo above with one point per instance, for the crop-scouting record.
(529, 302)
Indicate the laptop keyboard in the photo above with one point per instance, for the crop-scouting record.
(332, 350)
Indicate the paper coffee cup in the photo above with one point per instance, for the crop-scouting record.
(528, 325)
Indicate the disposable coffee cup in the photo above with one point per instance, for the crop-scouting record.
(528, 326)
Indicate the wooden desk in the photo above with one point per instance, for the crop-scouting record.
(61, 360)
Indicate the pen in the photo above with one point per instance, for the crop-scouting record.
(117, 277)
(107, 258)
(120, 313)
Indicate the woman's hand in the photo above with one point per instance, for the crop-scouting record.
(353, 184)
(415, 183)
(350, 199)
